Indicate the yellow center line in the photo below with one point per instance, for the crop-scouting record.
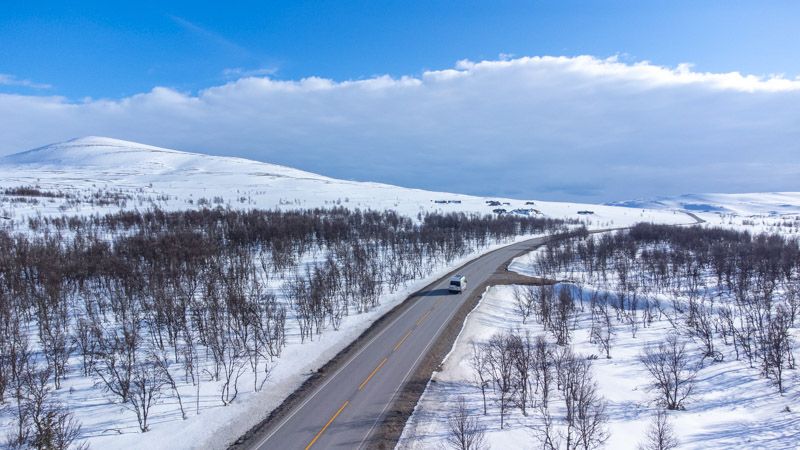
(374, 371)
(327, 425)
(419, 321)
(400, 342)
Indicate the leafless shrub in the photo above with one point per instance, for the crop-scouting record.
(43, 423)
(501, 360)
(481, 370)
(464, 431)
(146, 389)
(660, 434)
(672, 371)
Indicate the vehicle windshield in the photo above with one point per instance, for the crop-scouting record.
(455, 283)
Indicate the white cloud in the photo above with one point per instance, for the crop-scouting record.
(11, 80)
(547, 127)
(241, 72)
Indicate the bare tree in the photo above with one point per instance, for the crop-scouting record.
(117, 360)
(480, 367)
(673, 374)
(543, 369)
(146, 389)
(464, 431)
(590, 416)
(525, 300)
(585, 417)
(562, 315)
(602, 330)
(546, 431)
(778, 344)
(19, 360)
(501, 362)
(583, 424)
(702, 326)
(87, 339)
(162, 363)
(522, 351)
(46, 423)
(660, 434)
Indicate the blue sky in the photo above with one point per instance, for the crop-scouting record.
(568, 100)
(108, 49)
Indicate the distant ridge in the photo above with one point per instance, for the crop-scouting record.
(772, 203)
(82, 145)
(108, 154)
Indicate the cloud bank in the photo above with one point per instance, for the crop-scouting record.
(577, 128)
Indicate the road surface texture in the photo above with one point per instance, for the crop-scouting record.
(345, 405)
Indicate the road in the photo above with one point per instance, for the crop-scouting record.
(343, 410)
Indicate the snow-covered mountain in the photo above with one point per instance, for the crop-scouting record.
(767, 203)
(146, 176)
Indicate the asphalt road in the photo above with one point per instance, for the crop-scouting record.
(346, 408)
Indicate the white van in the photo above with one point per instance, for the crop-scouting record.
(457, 283)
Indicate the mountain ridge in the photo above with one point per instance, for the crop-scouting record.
(748, 203)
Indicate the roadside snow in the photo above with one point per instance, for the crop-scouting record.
(733, 407)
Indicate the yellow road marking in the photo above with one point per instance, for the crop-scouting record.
(374, 371)
(327, 425)
(400, 342)
(419, 321)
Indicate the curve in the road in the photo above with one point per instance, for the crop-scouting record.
(343, 409)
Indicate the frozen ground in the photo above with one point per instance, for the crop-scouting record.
(733, 407)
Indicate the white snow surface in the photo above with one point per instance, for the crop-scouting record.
(137, 176)
(747, 204)
(764, 212)
(169, 179)
(733, 407)
(736, 407)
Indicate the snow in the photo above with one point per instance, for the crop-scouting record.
(748, 204)
(733, 406)
(150, 177)
(765, 212)
(138, 176)
(218, 426)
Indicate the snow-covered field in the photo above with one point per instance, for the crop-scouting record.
(762, 203)
(733, 406)
(767, 212)
(141, 176)
(100, 175)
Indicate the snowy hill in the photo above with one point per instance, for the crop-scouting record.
(134, 175)
(767, 203)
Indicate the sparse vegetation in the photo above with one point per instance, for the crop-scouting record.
(144, 299)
